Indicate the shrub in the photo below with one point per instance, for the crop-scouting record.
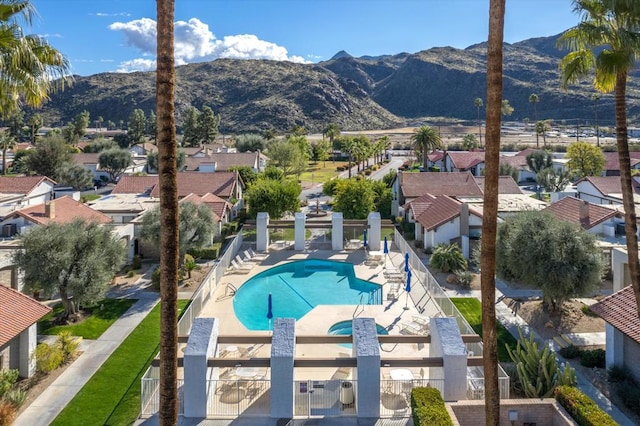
(588, 312)
(7, 413)
(619, 373)
(583, 410)
(629, 393)
(375, 167)
(570, 352)
(15, 397)
(7, 379)
(464, 278)
(448, 257)
(428, 408)
(68, 344)
(131, 274)
(155, 278)
(593, 358)
(137, 262)
(428, 250)
(434, 169)
(48, 358)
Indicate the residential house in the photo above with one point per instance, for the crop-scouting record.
(224, 161)
(90, 161)
(436, 160)
(406, 187)
(442, 219)
(622, 329)
(143, 149)
(17, 192)
(462, 161)
(19, 315)
(506, 185)
(519, 162)
(594, 218)
(603, 190)
(612, 163)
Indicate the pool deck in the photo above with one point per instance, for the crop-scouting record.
(390, 314)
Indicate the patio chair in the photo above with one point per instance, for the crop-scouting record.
(393, 292)
(248, 258)
(419, 319)
(240, 268)
(255, 255)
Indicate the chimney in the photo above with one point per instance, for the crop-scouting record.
(49, 210)
(584, 214)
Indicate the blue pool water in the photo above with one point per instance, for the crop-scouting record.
(298, 287)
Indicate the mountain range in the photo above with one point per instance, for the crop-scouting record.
(355, 93)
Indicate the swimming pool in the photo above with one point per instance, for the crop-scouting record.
(298, 287)
(343, 328)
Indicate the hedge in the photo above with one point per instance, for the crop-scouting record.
(208, 253)
(582, 408)
(428, 408)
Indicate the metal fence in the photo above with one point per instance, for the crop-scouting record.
(149, 398)
(430, 292)
(234, 398)
(395, 395)
(326, 398)
(150, 395)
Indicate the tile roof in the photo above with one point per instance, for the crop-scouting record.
(527, 151)
(464, 160)
(620, 310)
(17, 313)
(21, 184)
(135, 184)
(224, 160)
(517, 161)
(221, 184)
(607, 184)
(192, 150)
(420, 204)
(612, 161)
(441, 210)
(569, 210)
(452, 184)
(218, 206)
(436, 156)
(65, 210)
(86, 158)
(506, 185)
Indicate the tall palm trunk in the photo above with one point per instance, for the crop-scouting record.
(167, 171)
(630, 226)
(490, 210)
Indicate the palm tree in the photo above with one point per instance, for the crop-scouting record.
(490, 210)
(610, 28)
(479, 104)
(426, 139)
(7, 142)
(332, 131)
(534, 99)
(595, 97)
(30, 67)
(167, 171)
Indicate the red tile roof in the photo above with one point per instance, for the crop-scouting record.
(441, 210)
(17, 313)
(516, 161)
(65, 210)
(612, 161)
(568, 209)
(506, 185)
(86, 158)
(435, 156)
(218, 206)
(21, 184)
(607, 184)
(452, 184)
(420, 204)
(527, 151)
(620, 310)
(135, 184)
(464, 160)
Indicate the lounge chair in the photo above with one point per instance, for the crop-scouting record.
(255, 255)
(243, 269)
(393, 292)
(411, 328)
(248, 258)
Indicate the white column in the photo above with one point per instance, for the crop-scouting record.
(619, 261)
(367, 351)
(464, 242)
(299, 231)
(615, 346)
(262, 231)
(337, 230)
(446, 342)
(373, 236)
(283, 349)
(201, 345)
(28, 342)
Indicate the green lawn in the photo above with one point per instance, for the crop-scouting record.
(102, 316)
(322, 171)
(471, 310)
(112, 395)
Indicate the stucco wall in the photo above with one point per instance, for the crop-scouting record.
(540, 411)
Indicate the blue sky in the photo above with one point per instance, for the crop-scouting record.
(119, 35)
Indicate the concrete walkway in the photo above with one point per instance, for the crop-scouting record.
(51, 402)
(512, 321)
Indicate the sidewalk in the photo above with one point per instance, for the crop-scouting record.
(51, 402)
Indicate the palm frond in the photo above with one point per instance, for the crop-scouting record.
(576, 65)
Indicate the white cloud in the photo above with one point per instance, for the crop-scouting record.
(138, 64)
(194, 42)
(102, 14)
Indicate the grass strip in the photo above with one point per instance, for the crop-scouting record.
(101, 316)
(471, 310)
(112, 395)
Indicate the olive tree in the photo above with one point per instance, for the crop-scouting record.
(76, 260)
(115, 162)
(561, 259)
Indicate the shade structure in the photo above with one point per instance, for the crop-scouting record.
(364, 238)
(386, 246)
(406, 262)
